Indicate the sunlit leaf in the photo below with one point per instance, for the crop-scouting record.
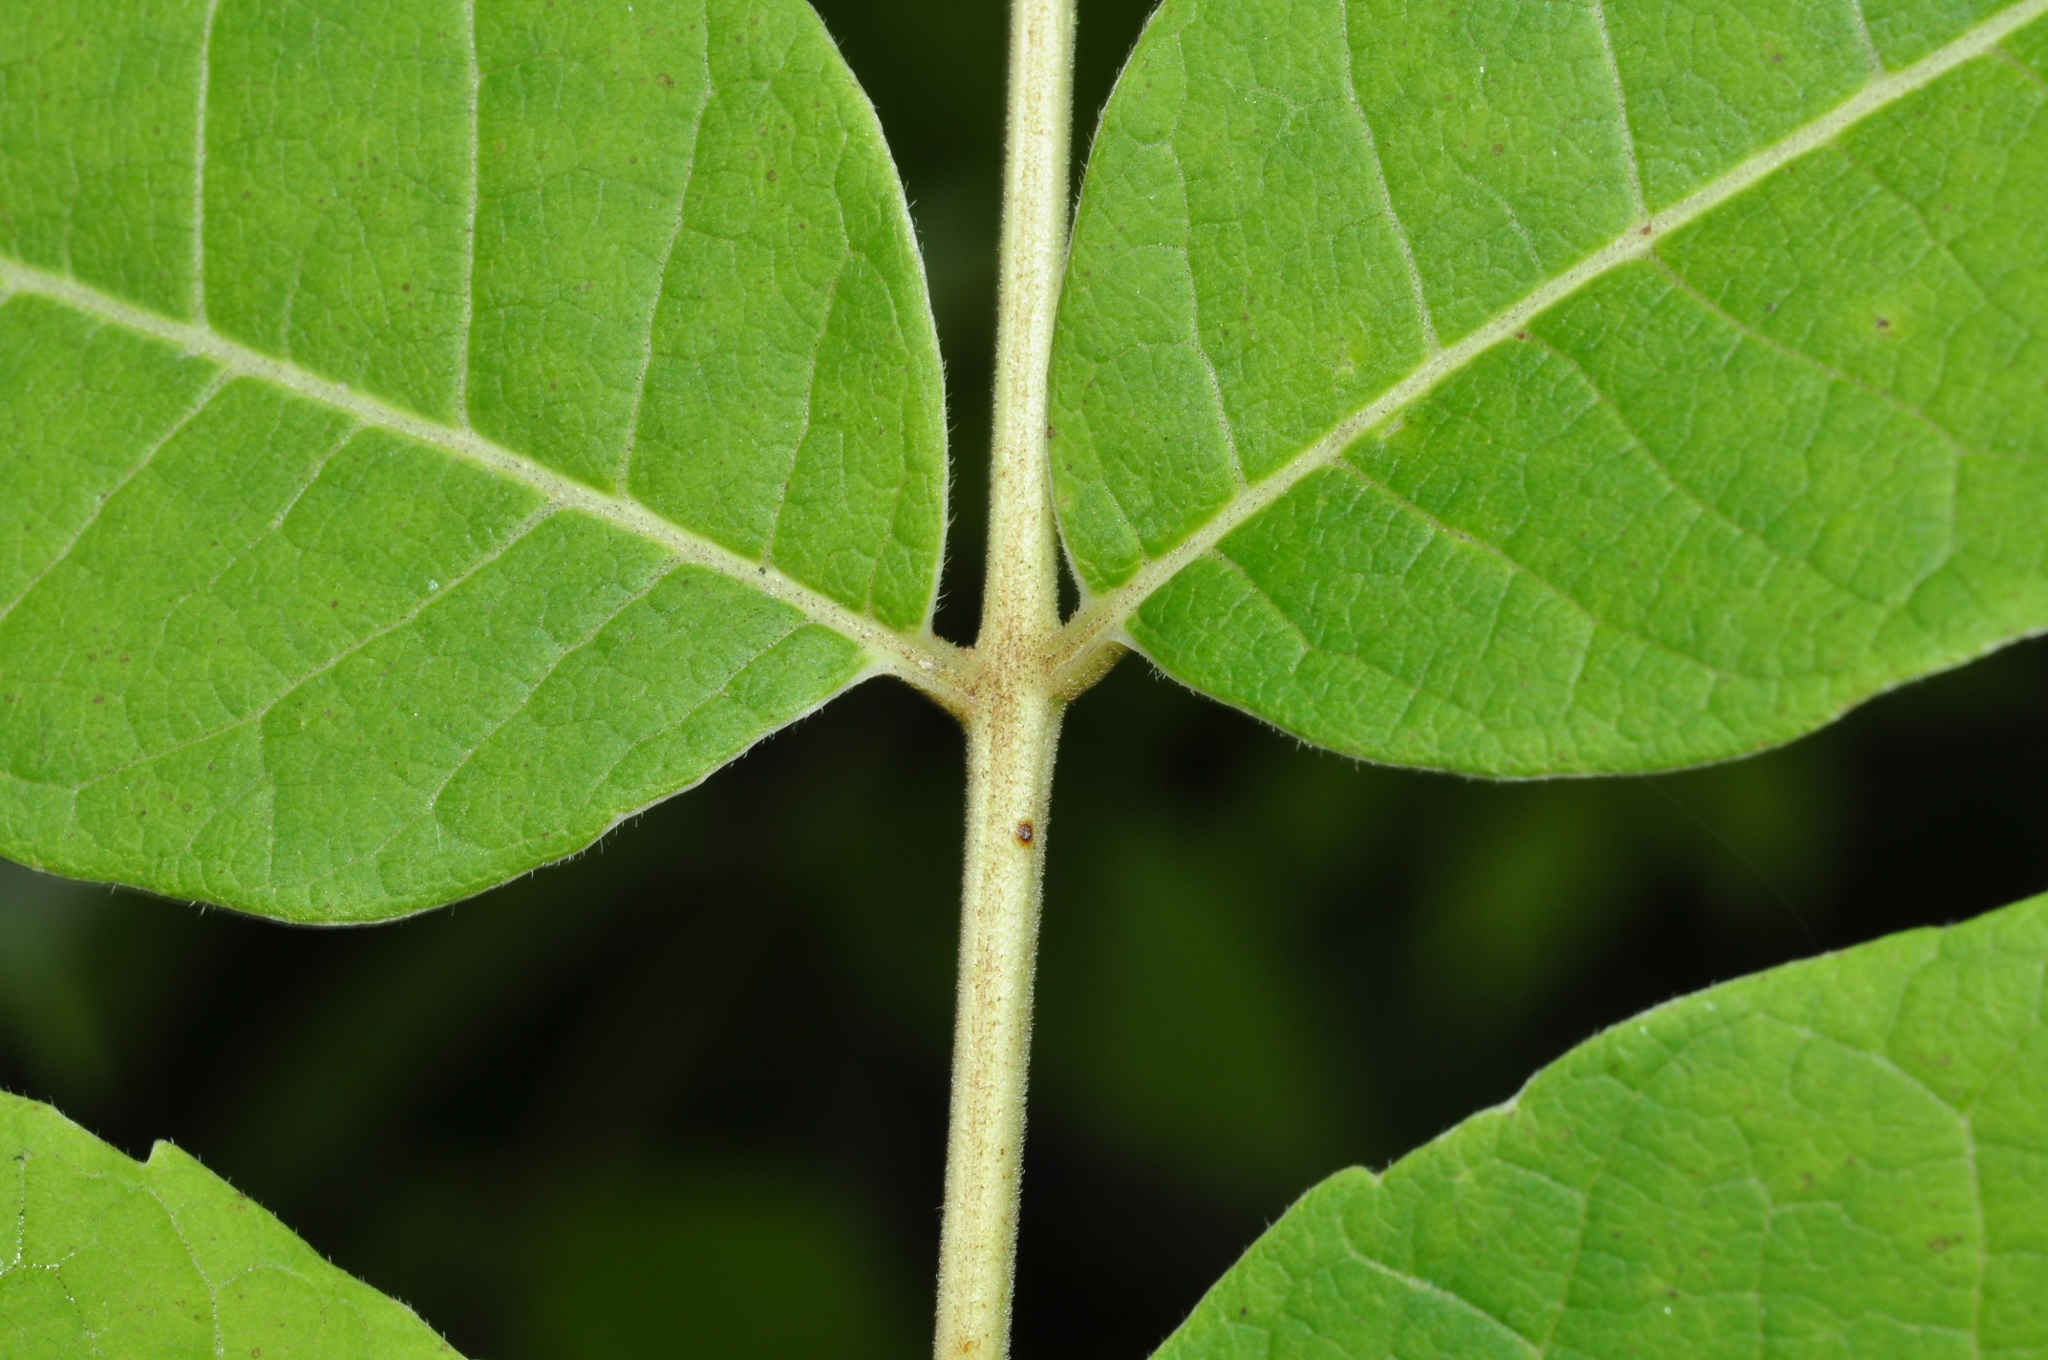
(1525, 388)
(430, 437)
(1838, 1157)
(101, 1255)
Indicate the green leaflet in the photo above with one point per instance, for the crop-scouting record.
(1838, 1157)
(548, 409)
(101, 1256)
(1527, 389)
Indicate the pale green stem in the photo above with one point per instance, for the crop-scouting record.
(1013, 725)
(1010, 756)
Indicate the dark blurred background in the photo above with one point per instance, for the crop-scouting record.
(685, 1096)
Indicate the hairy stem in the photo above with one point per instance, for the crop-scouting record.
(1010, 755)
(1013, 727)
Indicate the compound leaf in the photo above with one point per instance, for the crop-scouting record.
(1840, 1157)
(432, 432)
(1527, 389)
(101, 1255)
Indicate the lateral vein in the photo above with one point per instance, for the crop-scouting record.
(467, 335)
(929, 663)
(199, 165)
(1379, 174)
(1101, 621)
(1631, 161)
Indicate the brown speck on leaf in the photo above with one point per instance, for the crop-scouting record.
(1521, 335)
(1496, 148)
(665, 80)
(1026, 833)
(771, 176)
(1884, 323)
(1646, 229)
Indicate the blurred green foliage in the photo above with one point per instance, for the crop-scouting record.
(713, 1262)
(685, 1096)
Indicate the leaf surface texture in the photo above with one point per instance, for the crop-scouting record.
(1527, 389)
(103, 1256)
(1838, 1157)
(434, 432)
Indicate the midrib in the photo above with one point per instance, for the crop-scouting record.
(1102, 619)
(927, 662)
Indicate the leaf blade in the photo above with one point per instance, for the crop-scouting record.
(1368, 632)
(597, 647)
(164, 1258)
(1840, 1152)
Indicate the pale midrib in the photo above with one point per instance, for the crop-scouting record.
(1101, 621)
(929, 663)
